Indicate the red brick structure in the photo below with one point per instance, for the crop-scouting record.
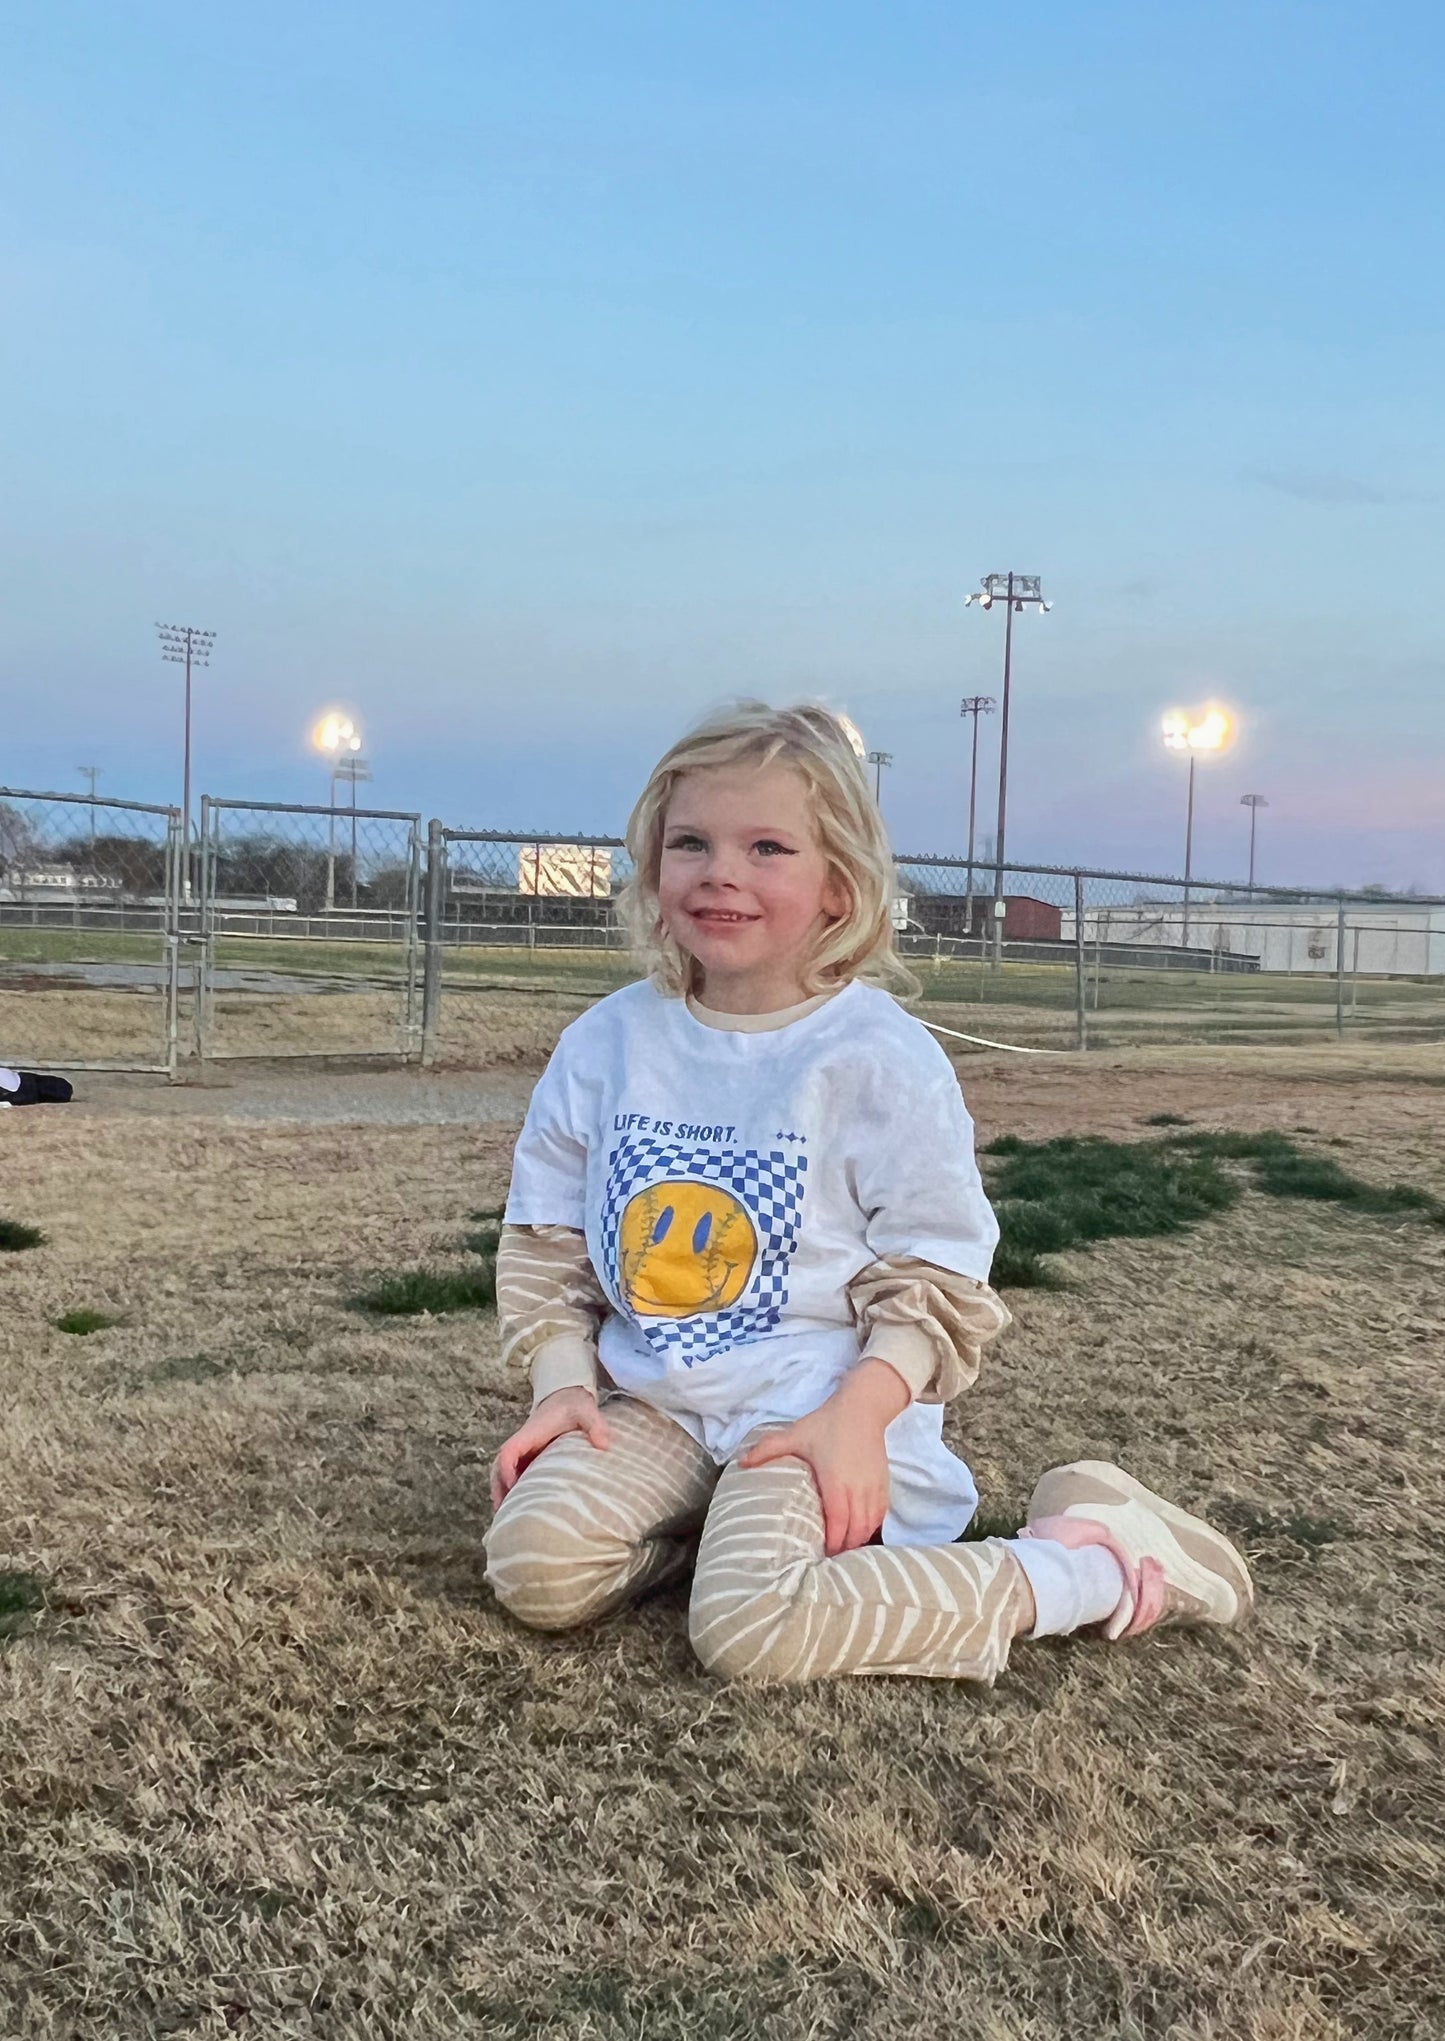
(1025, 918)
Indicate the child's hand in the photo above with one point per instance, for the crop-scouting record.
(842, 1442)
(565, 1410)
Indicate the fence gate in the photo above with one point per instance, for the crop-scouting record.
(517, 919)
(89, 893)
(307, 921)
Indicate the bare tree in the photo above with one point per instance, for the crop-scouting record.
(18, 847)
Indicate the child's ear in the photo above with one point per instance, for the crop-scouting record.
(836, 897)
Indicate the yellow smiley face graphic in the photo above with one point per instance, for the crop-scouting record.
(684, 1247)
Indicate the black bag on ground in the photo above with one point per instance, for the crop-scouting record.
(36, 1088)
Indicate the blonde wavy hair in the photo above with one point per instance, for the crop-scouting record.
(816, 744)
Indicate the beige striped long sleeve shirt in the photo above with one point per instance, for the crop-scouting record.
(929, 1324)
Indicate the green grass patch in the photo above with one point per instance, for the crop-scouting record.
(1021, 1268)
(14, 1237)
(1317, 1176)
(79, 946)
(437, 1290)
(84, 1322)
(1284, 1171)
(1068, 1193)
(1055, 1195)
(1229, 1145)
(432, 1291)
(21, 1595)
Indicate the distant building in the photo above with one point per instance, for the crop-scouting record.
(1383, 938)
(49, 883)
(571, 890)
(575, 871)
(1026, 919)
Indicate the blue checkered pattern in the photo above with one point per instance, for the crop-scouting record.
(770, 1188)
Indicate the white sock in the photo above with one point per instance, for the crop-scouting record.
(1072, 1588)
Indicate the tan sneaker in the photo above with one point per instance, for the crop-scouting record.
(1176, 1568)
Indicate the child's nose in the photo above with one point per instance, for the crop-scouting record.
(724, 867)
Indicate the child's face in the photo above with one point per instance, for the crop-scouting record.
(744, 885)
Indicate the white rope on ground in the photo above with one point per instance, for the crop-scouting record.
(1013, 1048)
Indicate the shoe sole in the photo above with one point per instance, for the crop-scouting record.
(1200, 1542)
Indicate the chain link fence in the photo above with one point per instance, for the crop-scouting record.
(1075, 958)
(1263, 967)
(306, 924)
(88, 932)
(312, 931)
(1125, 959)
(521, 933)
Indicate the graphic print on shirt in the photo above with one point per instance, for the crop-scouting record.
(697, 1242)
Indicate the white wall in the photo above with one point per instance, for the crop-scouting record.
(1394, 940)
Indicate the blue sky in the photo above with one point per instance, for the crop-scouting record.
(530, 379)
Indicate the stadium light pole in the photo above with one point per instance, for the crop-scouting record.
(878, 759)
(975, 706)
(1194, 730)
(337, 738)
(91, 773)
(186, 646)
(1254, 802)
(349, 770)
(1017, 592)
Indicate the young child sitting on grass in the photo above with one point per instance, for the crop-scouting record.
(746, 1261)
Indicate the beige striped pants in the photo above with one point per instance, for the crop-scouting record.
(585, 1530)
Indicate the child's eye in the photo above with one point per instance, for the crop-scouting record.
(770, 846)
(684, 842)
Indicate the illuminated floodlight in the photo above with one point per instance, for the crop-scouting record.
(336, 733)
(1208, 729)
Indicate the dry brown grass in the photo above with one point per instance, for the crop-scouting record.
(481, 1027)
(49, 1025)
(296, 1000)
(274, 1764)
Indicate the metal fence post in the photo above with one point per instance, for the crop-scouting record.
(173, 945)
(1101, 943)
(411, 946)
(1340, 967)
(200, 934)
(431, 997)
(1081, 1016)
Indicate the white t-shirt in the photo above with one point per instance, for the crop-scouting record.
(731, 1185)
